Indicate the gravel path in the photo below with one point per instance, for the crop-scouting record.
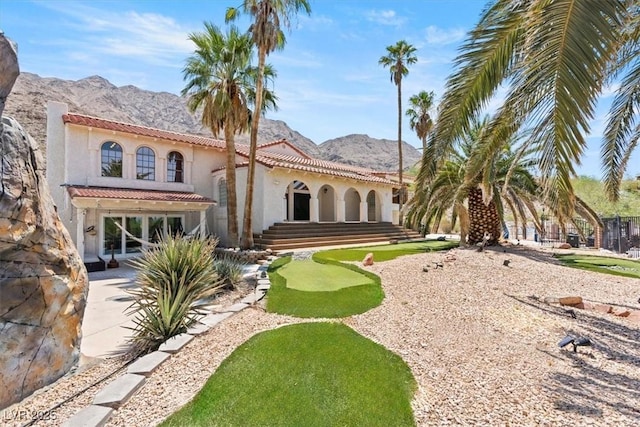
(478, 336)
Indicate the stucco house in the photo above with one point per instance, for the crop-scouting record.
(106, 176)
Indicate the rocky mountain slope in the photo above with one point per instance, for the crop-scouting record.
(96, 96)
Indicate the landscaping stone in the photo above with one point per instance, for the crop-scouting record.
(250, 298)
(213, 319)
(570, 300)
(174, 344)
(147, 364)
(91, 416)
(603, 308)
(119, 391)
(621, 312)
(564, 246)
(198, 329)
(263, 287)
(634, 316)
(368, 259)
(236, 307)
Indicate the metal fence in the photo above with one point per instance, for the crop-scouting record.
(580, 234)
(621, 234)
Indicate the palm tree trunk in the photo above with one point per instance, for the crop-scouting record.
(247, 227)
(400, 219)
(482, 219)
(232, 200)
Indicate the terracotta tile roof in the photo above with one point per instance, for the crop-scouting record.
(308, 164)
(283, 141)
(94, 122)
(130, 194)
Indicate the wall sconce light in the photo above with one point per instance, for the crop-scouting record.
(325, 190)
(91, 230)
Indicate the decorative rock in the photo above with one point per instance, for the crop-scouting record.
(263, 287)
(585, 306)
(174, 344)
(368, 259)
(603, 308)
(621, 312)
(570, 300)
(251, 298)
(43, 282)
(239, 306)
(634, 316)
(147, 364)
(91, 416)
(119, 391)
(9, 68)
(564, 246)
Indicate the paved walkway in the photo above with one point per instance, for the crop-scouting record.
(104, 327)
(104, 332)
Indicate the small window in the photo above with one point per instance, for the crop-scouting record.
(145, 164)
(111, 159)
(175, 167)
(222, 191)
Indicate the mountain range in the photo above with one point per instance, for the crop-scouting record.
(96, 96)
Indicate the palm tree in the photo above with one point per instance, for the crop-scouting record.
(398, 57)
(419, 115)
(476, 191)
(556, 56)
(218, 78)
(267, 35)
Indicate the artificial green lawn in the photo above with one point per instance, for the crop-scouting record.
(311, 276)
(385, 252)
(347, 300)
(310, 374)
(615, 266)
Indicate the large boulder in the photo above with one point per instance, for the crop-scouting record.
(43, 281)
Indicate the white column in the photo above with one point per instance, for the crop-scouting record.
(80, 231)
(314, 214)
(290, 206)
(364, 212)
(203, 223)
(340, 214)
(284, 208)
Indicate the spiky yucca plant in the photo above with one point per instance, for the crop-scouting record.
(174, 280)
(229, 270)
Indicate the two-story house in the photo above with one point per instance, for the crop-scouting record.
(119, 185)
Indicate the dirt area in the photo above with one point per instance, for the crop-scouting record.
(478, 336)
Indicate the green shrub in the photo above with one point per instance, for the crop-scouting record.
(174, 281)
(229, 270)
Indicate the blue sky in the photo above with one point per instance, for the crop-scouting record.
(329, 82)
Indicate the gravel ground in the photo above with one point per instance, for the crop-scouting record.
(478, 336)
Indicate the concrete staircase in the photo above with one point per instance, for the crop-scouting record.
(299, 235)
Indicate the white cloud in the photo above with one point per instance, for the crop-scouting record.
(440, 36)
(385, 17)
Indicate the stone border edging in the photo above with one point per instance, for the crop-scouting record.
(119, 391)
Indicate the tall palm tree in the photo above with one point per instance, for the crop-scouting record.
(218, 76)
(266, 32)
(419, 114)
(556, 58)
(397, 58)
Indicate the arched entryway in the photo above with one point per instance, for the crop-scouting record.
(352, 205)
(326, 203)
(374, 212)
(297, 199)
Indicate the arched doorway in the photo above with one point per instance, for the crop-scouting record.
(351, 205)
(373, 206)
(327, 203)
(297, 199)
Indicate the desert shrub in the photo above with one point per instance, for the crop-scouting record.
(174, 282)
(229, 270)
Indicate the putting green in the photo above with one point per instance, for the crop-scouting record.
(311, 276)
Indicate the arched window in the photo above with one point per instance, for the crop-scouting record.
(175, 167)
(145, 164)
(222, 191)
(111, 159)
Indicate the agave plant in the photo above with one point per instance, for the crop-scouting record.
(174, 280)
(229, 270)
